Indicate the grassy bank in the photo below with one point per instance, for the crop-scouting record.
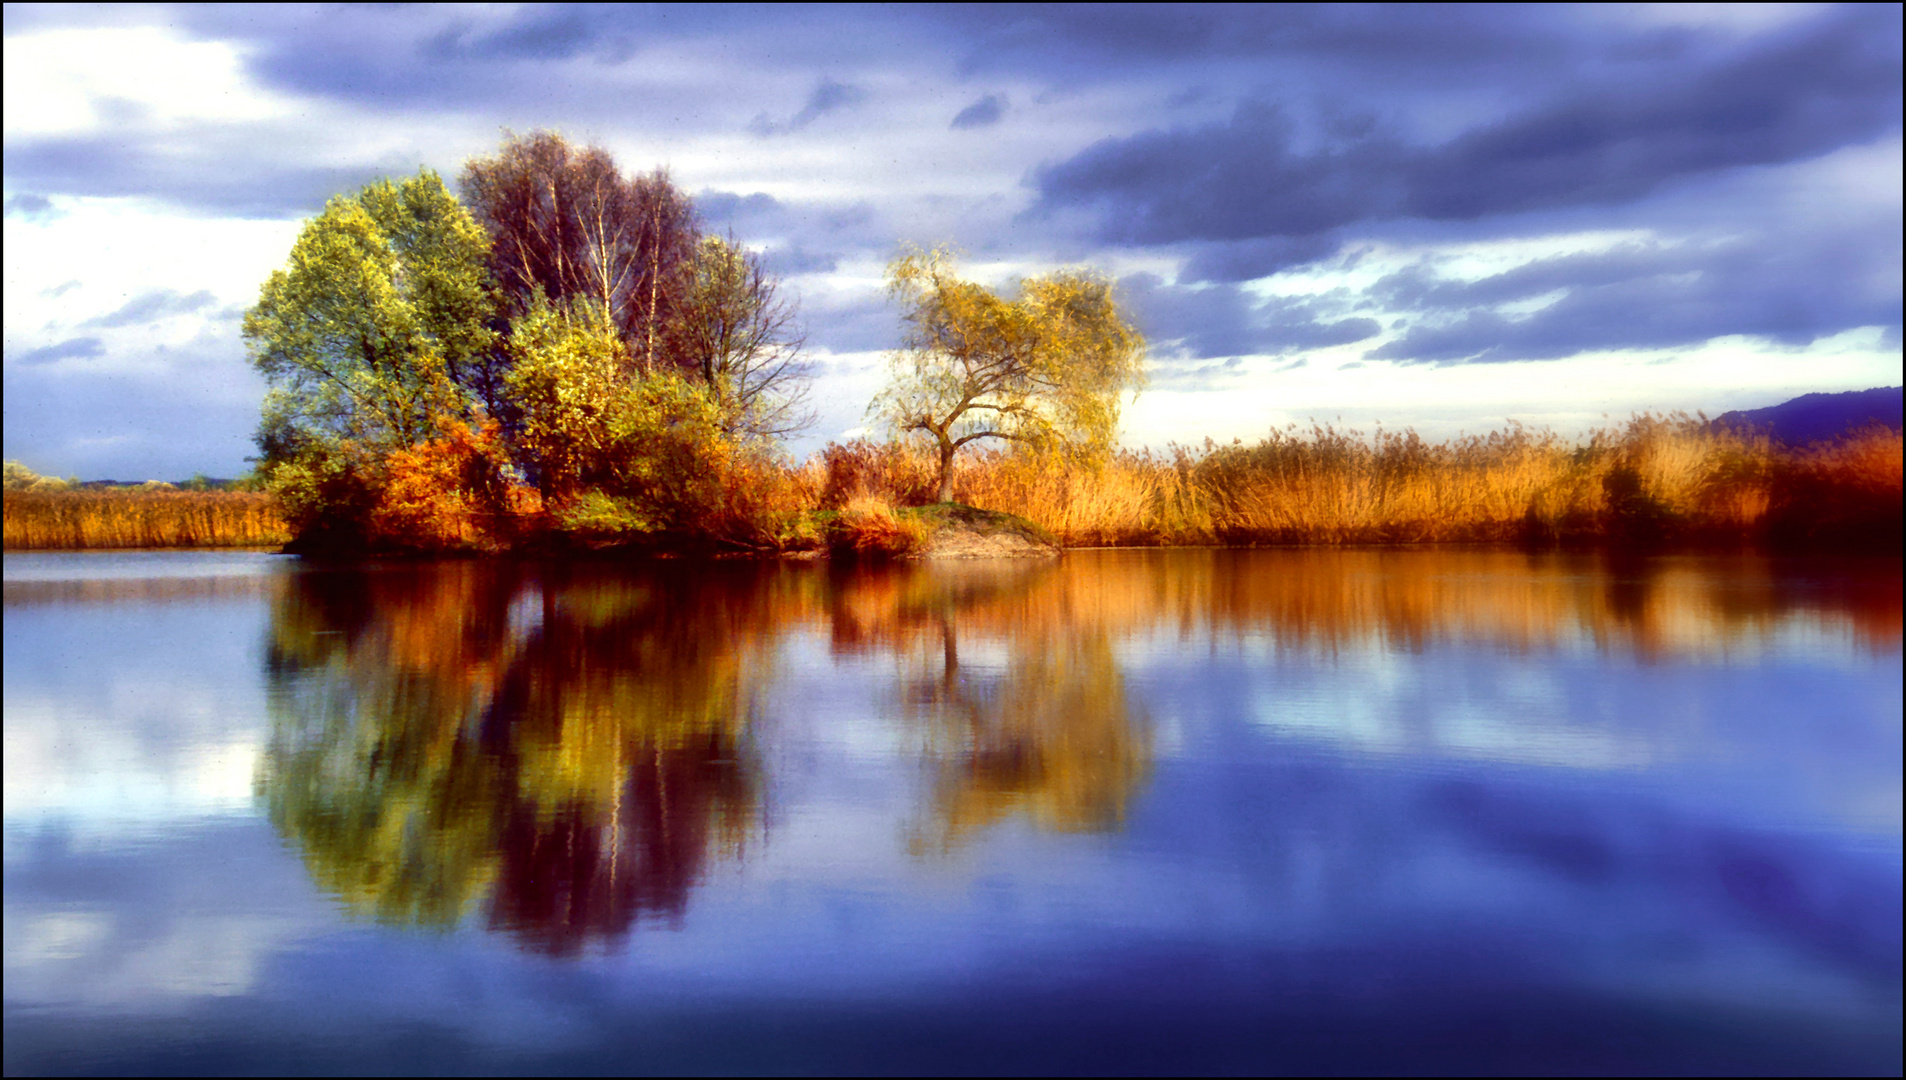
(1652, 481)
(39, 520)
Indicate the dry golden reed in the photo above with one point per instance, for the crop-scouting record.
(867, 527)
(142, 519)
(1654, 478)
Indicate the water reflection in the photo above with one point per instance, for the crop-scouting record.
(1042, 725)
(1371, 811)
(563, 751)
(572, 748)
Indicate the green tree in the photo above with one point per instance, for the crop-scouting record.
(1047, 366)
(377, 325)
(616, 451)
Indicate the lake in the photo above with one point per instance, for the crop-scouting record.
(1337, 811)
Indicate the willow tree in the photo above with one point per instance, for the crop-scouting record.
(1047, 365)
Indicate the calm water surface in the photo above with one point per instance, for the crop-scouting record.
(1289, 811)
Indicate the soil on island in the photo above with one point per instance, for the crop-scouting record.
(967, 532)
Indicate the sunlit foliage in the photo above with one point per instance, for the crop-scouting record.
(572, 363)
(378, 322)
(622, 453)
(451, 493)
(1050, 365)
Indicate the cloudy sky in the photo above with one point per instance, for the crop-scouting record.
(1439, 217)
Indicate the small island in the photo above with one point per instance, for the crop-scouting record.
(561, 361)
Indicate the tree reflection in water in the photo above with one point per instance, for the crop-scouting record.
(1049, 732)
(566, 749)
(569, 745)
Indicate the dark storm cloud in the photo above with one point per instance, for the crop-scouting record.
(1220, 320)
(1792, 289)
(982, 113)
(846, 323)
(791, 231)
(802, 238)
(79, 348)
(543, 33)
(226, 171)
(581, 67)
(1243, 178)
(799, 237)
(732, 208)
(1111, 38)
(1834, 84)
(764, 214)
(151, 307)
(829, 96)
(1248, 260)
(793, 260)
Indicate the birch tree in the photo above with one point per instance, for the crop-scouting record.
(566, 221)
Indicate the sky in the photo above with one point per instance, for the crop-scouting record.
(1436, 217)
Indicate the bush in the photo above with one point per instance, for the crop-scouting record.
(639, 456)
(450, 493)
(869, 529)
(327, 494)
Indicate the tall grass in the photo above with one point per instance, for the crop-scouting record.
(141, 519)
(1654, 479)
(1651, 480)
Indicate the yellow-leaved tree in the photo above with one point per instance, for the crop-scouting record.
(1050, 364)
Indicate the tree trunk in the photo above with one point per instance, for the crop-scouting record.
(946, 471)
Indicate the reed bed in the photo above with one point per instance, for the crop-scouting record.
(39, 520)
(1654, 479)
(1651, 480)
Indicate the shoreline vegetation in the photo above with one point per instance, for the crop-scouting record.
(1654, 482)
(558, 359)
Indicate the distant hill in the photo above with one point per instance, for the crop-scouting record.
(1813, 418)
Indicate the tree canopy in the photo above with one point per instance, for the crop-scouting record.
(573, 329)
(742, 338)
(379, 322)
(1047, 365)
(565, 221)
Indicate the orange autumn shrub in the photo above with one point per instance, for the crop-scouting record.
(452, 493)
